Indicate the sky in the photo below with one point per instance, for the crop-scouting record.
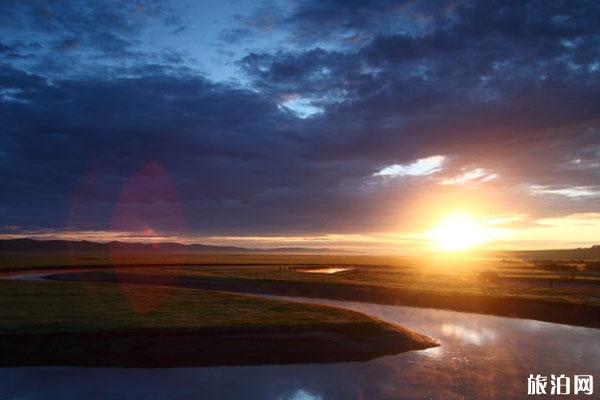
(344, 124)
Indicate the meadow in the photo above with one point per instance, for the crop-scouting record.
(110, 324)
(500, 284)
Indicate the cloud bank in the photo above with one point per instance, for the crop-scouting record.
(504, 92)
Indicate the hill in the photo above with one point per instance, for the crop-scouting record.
(30, 245)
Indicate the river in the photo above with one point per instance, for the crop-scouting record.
(480, 357)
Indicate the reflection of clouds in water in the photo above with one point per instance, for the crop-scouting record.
(539, 326)
(468, 335)
(301, 394)
(433, 352)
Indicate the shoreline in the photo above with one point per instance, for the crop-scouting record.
(49, 323)
(219, 346)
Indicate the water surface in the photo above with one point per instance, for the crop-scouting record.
(481, 357)
(327, 270)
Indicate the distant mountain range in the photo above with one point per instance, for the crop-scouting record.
(31, 245)
(584, 253)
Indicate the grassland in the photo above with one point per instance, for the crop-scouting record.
(54, 323)
(492, 285)
(550, 291)
(50, 307)
(20, 261)
(491, 278)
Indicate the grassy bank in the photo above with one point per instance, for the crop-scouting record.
(55, 323)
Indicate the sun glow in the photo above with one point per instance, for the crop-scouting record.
(459, 232)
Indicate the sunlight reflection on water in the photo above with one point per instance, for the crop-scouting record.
(330, 270)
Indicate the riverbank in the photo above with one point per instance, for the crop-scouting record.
(219, 346)
(103, 324)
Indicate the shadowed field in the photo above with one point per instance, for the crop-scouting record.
(52, 323)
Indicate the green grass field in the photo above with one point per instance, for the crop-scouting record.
(119, 325)
(495, 278)
(34, 260)
(442, 277)
(45, 306)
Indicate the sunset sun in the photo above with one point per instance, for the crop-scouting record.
(458, 232)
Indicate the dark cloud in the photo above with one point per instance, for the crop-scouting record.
(507, 86)
(351, 24)
(218, 144)
(100, 24)
(356, 22)
(492, 74)
(236, 35)
(80, 37)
